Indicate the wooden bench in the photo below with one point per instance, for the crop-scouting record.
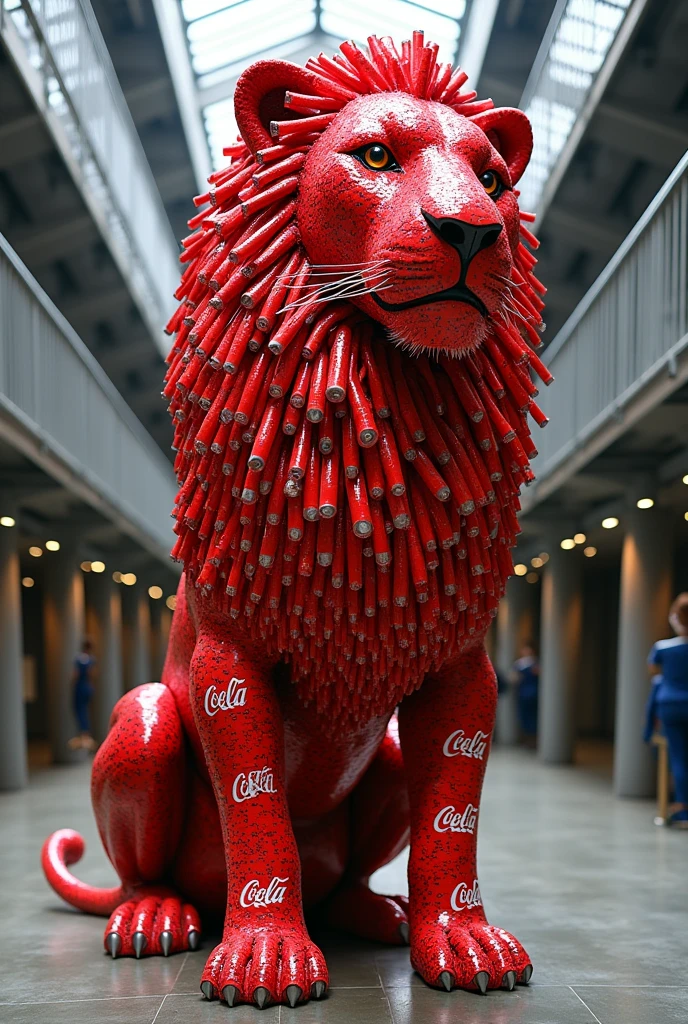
(663, 778)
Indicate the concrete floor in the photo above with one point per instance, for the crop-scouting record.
(597, 893)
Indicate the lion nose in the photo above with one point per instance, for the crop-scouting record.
(468, 239)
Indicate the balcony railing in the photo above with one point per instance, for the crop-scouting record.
(630, 330)
(57, 47)
(576, 58)
(59, 407)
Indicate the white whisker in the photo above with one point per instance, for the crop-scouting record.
(349, 293)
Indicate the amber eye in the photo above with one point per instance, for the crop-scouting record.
(491, 183)
(377, 158)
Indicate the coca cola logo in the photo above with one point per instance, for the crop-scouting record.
(224, 700)
(254, 895)
(469, 746)
(464, 897)
(248, 786)
(451, 820)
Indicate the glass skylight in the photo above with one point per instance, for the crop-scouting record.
(224, 36)
(561, 80)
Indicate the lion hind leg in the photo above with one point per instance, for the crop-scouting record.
(379, 832)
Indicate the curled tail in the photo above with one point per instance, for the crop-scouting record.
(66, 847)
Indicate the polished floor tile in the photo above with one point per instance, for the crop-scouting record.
(103, 1011)
(637, 1004)
(193, 1009)
(555, 1005)
(595, 892)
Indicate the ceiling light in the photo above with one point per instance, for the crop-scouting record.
(544, 557)
(579, 538)
(97, 566)
(35, 551)
(171, 601)
(536, 563)
(117, 576)
(568, 543)
(532, 577)
(685, 516)
(520, 569)
(85, 567)
(52, 545)
(609, 523)
(645, 502)
(590, 551)
(27, 581)
(685, 480)
(128, 579)
(155, 593)
(7, 521)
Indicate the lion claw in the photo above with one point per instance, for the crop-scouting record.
(293, 994)
(229, 994)
(318, 989)
(207, 989)
(139, 942)
(482, 980)
(445, 979)
(509, 981)
(527, 974)
(114, 944)
(260, 997)
(193, 939)
(166, 943)
(404, 932)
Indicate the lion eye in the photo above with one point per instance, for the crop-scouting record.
(377, 158)
(491, 183)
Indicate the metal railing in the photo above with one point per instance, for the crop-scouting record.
(56, 400)
(578, 52)
(64, 52)
(631, 326)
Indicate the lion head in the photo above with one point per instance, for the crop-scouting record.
(350, 378)
(403, 199)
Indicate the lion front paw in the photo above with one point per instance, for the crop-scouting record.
(263, 965)
(471, 954)
(152, 925)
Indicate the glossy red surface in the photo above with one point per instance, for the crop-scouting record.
(345, 516)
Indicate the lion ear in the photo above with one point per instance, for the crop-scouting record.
(509, 131)
(259, 98)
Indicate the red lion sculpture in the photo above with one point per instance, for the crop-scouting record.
(350, 381)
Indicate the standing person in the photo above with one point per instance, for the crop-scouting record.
(527, 673)
(669, 702)
(83, 692)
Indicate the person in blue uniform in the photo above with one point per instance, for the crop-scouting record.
(527, 673)
(83, 692)
(668, 662)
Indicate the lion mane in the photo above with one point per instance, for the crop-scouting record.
(350, 504)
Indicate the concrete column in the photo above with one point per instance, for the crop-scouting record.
(64, 620)
(646, 580)
(165, 626)
(161, 620)
(136, 614)
(158, 642)
(104, 619)
(512, 622)
(560, 638)
(13, 770)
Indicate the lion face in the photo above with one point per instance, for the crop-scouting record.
(415, 203)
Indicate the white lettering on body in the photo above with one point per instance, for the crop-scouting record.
(254, 895)
(451, 820)
(468, 746)
(464, 897)
(249, 785)
(224, 700)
